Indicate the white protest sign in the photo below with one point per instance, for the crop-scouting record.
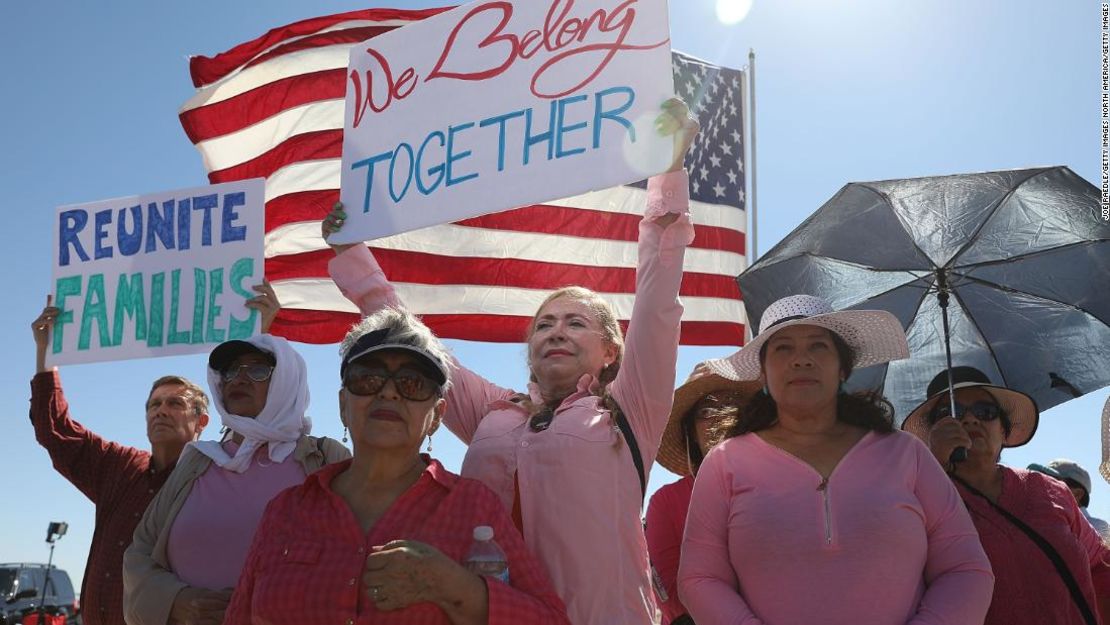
(498, 104)
(156, 275)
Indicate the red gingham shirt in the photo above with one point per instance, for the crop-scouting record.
(309, 553)
(119, 480)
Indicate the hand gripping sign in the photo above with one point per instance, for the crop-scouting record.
(156, 275)
(498, 104)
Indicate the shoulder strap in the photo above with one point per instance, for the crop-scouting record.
(1057, 561)
(633, 446)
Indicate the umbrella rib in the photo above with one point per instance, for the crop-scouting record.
(1010, 259)
(994, 209)
(979, 330)
(1009, 289)
(905, 226)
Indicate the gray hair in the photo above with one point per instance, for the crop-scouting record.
(404, 328)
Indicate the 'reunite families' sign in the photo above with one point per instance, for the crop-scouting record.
(156, 275)
(498, 104)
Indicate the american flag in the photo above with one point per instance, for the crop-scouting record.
(273, 108)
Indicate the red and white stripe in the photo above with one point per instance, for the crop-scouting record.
(273, 108)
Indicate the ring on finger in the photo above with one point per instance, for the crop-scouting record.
(375, 591)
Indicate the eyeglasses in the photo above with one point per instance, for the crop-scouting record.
(981, 410)
(255, 372)
(410, 384)
(541, 420)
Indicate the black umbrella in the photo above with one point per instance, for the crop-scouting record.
(1022, 258)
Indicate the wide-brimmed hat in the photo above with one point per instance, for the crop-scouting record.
(875, 336)
(673, 454)
(1020, 409)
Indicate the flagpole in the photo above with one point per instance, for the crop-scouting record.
(753, 252)
(749, 118)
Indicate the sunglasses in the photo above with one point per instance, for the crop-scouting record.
(541, 420)
(256, 372)
(981, 410)
(410, 384)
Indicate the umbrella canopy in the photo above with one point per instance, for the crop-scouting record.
(1024, 255)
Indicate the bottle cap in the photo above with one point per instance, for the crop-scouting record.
(483, 533)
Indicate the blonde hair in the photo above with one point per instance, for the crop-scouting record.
(605, 316)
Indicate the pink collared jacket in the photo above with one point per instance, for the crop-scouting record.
(579, 490)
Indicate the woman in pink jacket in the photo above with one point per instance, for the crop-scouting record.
(556, 455)
(813, 509)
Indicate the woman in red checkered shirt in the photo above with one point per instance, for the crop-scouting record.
(384, 535)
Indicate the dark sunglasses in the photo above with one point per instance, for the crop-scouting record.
(410, 384)
(541, 420)
(981, 410)
(256, 372)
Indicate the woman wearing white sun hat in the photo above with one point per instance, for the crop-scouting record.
(813, 495)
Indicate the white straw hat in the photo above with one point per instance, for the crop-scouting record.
(875, 336)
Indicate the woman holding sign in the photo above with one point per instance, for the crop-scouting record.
(190, 546)
(570, 456)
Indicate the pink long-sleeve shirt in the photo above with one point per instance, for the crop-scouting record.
(884, 541)
(578, 487)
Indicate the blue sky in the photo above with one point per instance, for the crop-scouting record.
(848, 90)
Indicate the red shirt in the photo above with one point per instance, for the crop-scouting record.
(119, 480)
(666, 523)
(1027, 588)
(309, 553)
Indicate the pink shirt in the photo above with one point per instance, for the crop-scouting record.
(1027, 588)
(886, 541)
(579, 491)
(210, 536)
(666, 522)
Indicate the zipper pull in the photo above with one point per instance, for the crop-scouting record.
(824, 485)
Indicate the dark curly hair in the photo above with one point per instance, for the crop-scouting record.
(866, 409)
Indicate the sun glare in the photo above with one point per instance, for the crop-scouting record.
(732, 11)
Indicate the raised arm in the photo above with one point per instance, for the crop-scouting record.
(88, 461)
(644, 385)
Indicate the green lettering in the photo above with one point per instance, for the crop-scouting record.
(200, 287)
(176, 337)
(212, 333)
(130, 300)
(241, 328)
(70, 285)
(157, 309)
(96, 309)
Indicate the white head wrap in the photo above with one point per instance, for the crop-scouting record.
(282, 421)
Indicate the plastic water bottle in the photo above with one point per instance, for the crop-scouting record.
(486, 557)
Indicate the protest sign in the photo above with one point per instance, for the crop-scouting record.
(156, 275)
(497, 104)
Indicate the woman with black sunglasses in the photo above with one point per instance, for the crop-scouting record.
(1050, 565)
(190, 546)
(388, 530)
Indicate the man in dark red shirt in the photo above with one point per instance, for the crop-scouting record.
(121, 481)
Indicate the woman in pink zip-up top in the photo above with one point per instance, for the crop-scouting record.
(555, 455)
(813, 509)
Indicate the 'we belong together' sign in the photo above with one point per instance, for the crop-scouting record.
(496, 104)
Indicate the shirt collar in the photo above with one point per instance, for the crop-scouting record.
(587, 385)
(434, 471)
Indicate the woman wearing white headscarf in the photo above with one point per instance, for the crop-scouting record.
(190, 546)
